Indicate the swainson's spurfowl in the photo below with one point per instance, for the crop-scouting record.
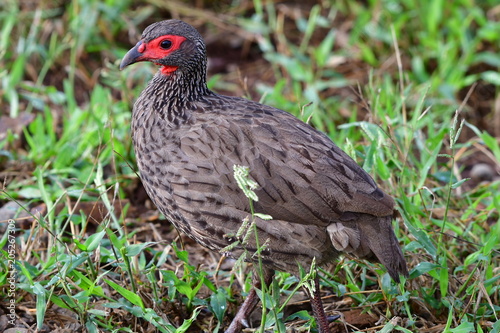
(187, 140)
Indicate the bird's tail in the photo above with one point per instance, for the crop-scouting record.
(377, 232)
(370, 237)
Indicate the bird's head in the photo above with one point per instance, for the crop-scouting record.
(172, 44)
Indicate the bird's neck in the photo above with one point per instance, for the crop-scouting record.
(170, 95)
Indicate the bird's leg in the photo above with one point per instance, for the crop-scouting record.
(317, 307)
(240, 320)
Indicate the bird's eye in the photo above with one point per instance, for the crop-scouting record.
(166, 44)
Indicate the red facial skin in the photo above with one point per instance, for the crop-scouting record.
(153, 50)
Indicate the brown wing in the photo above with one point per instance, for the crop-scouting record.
(303, 177)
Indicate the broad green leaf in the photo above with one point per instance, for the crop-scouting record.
(135, 249)
(464, 327)
(41, 303)
(130, 296)
(218, 303)
(423, 268)
(94, 241)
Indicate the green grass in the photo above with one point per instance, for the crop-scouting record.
(407, 88)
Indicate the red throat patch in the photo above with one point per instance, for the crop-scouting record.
(167, 70)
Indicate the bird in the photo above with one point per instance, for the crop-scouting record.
(187, 141)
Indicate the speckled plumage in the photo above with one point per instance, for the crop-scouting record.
(187, 140)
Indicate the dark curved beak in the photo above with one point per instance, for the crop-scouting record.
(132, 56)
